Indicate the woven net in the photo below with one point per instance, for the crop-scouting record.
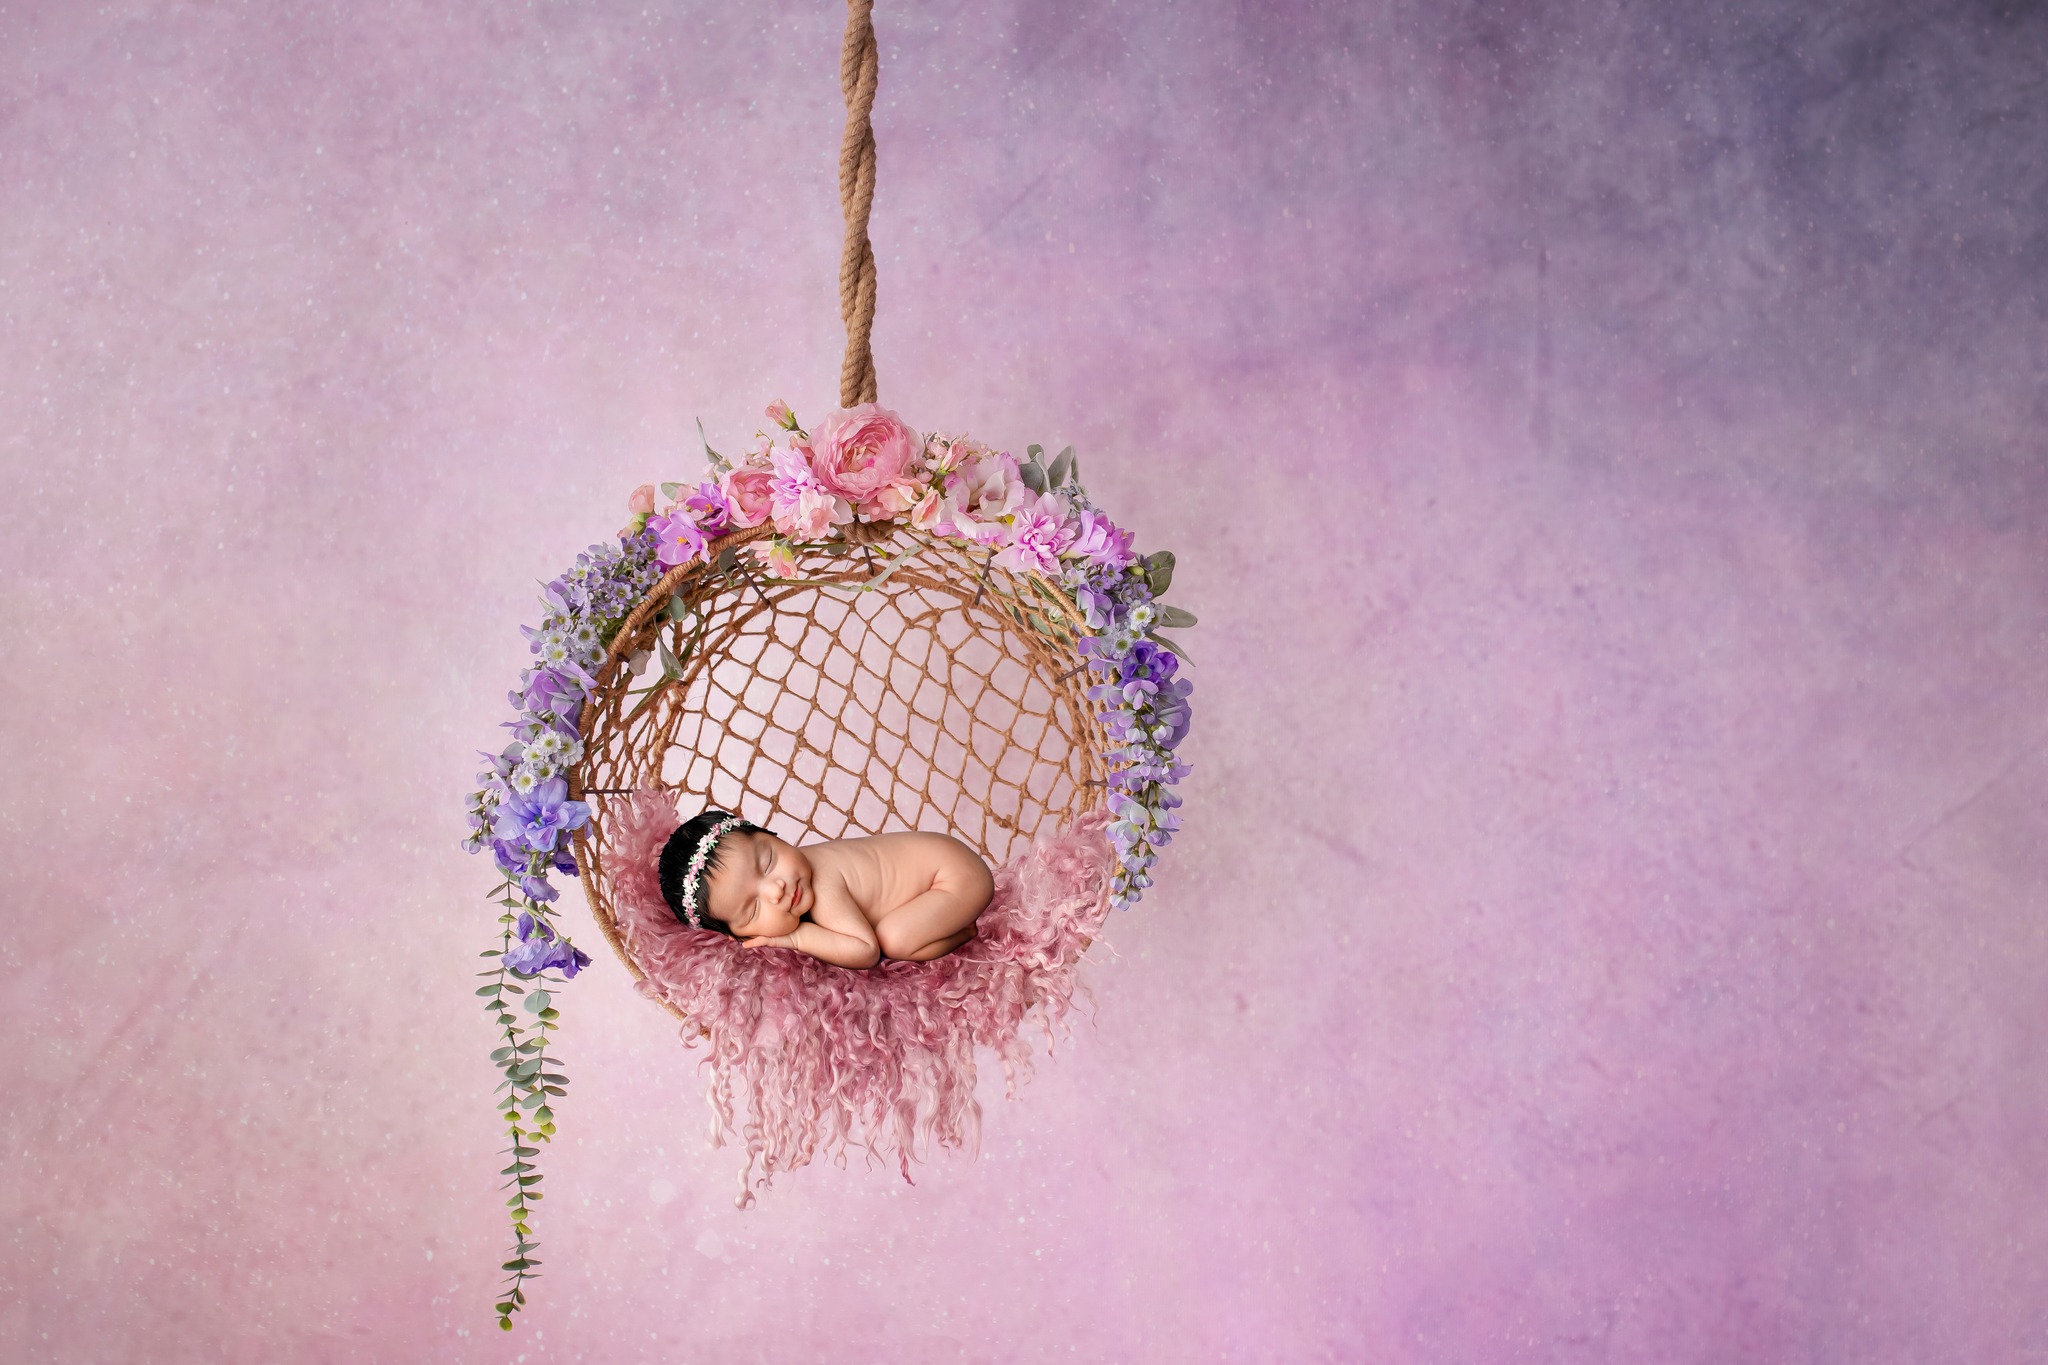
(900, 682)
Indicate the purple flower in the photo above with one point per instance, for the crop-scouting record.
(540, 948)
(1100, 541)
(548, 689)
(536, 820)
(681, 539)
(536, 887)
(713, 514)
(510, 858)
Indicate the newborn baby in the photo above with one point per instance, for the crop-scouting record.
(850, 902)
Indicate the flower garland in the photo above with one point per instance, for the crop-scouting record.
(860, 464)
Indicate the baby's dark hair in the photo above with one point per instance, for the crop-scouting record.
(675, 862)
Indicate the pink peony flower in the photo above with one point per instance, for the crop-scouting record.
(1039, 533)
(1100, 541)
(857, 452)
(748, 494)
(803, 508)
(778, 557)
(779, 413)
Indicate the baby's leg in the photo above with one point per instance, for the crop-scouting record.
(942, 947)
(928, 926)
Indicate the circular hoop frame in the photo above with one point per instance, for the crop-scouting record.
(899, 681)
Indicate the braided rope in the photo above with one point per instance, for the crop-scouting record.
(859, 71)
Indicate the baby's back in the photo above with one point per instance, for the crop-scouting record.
(883, 872)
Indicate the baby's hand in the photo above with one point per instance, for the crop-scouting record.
(770, 941)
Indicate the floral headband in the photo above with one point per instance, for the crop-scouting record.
(698, 857)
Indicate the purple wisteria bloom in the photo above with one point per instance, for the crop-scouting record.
(536, 820)
(540, 947)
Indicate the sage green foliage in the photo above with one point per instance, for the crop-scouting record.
(526, 1087)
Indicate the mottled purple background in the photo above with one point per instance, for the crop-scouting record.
(1604, 444)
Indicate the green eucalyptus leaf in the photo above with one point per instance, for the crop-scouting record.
(1180, 650)
(1159, 572)
(501, 1054)
(718, 461)
(678, 608)
(488, 990)
(554, 1090)
(1176, 618)
(554, 1078)
(537, 1002)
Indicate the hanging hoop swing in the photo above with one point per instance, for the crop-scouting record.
(859, 629)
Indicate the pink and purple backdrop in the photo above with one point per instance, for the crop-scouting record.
(1604, 444)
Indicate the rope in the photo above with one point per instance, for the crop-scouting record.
(859, 70)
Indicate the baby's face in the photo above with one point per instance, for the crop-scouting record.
(762, 886)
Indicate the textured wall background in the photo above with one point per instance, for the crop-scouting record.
(1604, 443)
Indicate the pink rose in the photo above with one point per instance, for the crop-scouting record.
(748, 494)
(857, 452)
(642, 500)
(778, 413)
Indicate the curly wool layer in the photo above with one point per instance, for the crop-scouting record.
(820, 1056)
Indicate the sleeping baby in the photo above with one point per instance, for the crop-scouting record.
(850, 902)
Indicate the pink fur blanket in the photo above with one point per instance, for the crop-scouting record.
(819, 1055)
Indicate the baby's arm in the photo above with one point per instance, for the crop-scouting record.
(837, 932)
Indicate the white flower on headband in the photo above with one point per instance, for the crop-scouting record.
(697, 859)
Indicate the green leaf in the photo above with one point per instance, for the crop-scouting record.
(500, 1054)
(1159, 572)
(531, 1101)
(544, 1114)
(489, 990)
(525, 1151)
(1180, 650)
(678, 608)
(1062, 466)
(554, 1090)
(554, 1077)
(1033, 475)
(516, 1167)
(537, 1002)
(1174, 618)
(669, 490)
(528, 1179)
(1034, 452)
(671, 666)
(519, 1264)
(505, 1324)
(718, 461)
(549, 1016)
